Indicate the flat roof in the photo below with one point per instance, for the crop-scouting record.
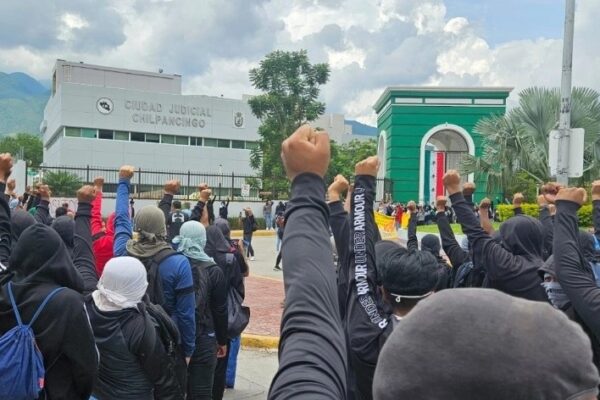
(121, 70)
(439, 89)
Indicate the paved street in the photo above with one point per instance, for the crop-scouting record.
(256, 369)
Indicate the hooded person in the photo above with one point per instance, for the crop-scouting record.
(173, 269)
(103, 244)
(211, 309)
(431, 243)
(540, 354)
(40, 263)
(65, 227)
(132, 356)
(19, 221)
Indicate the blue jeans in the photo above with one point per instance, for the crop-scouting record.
(277, 241)
(234, 348)
(268, 221)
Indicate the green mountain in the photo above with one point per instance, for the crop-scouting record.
(22, 102)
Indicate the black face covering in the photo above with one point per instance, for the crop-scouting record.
(522, 236)
(431, 243)
(215, 242)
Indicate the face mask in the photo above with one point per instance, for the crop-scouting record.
(556, 295)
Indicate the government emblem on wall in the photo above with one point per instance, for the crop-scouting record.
(238, 119)
(104, 105)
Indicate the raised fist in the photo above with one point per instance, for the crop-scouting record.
(306, 151)
(468, 189)
(368, 166)
(452, 181)
(126, 172)
(44, 192)
(596, 190)
(412, 206)
(205, 195)
(440, 203)
(576, 195)
(86, 194)
(550, 190)
(202, 186)
(5, 166)
(337, 187)
(485, 204)
(11, 184)
(172, 186)
(541, 200)
(98, 182)
(518, 199)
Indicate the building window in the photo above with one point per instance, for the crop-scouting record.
(184, 140)
(121, 135)
(169, 139)
(152, 138)
(88, 133)
(138, 137)
(72, 132)
(251, 145)
(105, 134)
(237, 144)
(195, 141)
(208, 142)
(224, 143)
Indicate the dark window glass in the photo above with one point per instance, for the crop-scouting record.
(152, 138)
(138, 137)
(184, 140)
(210, 142)
(105, 134)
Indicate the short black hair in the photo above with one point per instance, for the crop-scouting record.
(60, 211)
(177, 205)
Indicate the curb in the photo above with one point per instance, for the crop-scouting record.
(238, 233)
(260, 342)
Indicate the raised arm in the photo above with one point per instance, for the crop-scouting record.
(198, 213)
(455, 253)
(518, 200)
(97, 208)
(572, 269)
(312, 350)
(171, 189)
(123, 227)
(83, 255)
(338, 217)
(484, 216)
(596, 209)
(42, 214)
(5, 229)
(412, 243)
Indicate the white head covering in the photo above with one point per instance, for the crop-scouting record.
(122, 285)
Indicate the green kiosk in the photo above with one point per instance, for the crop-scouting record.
(425, 131)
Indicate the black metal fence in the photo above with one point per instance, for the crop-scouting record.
(148, 184)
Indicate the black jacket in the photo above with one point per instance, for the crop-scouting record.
(312, 350)
(132, 357)
(40, 263)
(514, 269)
(220, 250)
(249, 223)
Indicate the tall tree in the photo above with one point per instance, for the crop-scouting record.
(290, 86)
(345, 156)
(29, 144)
(515, 145)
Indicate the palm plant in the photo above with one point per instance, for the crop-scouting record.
(517, 142)
(62, 183)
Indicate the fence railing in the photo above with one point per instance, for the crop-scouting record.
(148, 184)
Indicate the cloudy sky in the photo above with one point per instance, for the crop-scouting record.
(370, 44)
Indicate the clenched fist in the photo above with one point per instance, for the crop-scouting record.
(485, 204)
(550, 190)
(452, 182)
(337, 188)
(5, 166)
(126, 172)
(172, 186)
(576, 195)
(44, 192)
(440, 203)
(306, 151)
(518, 200)
(10, 185)
(368, 166)
(412, 207)
(202, 186)
(99, 182)
(86, 194)
(468, 189)
(596, 190)
(205, 195)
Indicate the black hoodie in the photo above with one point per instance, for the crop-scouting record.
(40, 263)
(219, 249)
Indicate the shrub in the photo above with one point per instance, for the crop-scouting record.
(505, 211)
(235, 223)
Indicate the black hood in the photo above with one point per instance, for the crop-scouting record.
(522, 236)
(65, 227)
(19, 221)
(223, 225)
(383, 250)
(41, 256)
(215, 242)
(431, 243)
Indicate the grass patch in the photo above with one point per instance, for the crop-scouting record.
(455, 228)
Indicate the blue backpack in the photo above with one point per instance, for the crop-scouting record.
(21, 362)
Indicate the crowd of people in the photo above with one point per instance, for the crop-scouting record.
(148, 307)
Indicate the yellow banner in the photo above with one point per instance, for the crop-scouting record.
(386, 225)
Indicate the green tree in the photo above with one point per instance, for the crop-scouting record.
(30, 144)
(515, 145)
(290, 86)
(345, 156)
(62, 183)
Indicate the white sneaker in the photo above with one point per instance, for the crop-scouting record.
(251, 258)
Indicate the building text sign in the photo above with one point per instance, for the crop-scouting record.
(173, 114)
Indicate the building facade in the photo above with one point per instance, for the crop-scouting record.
(425, 131)
(106, 117)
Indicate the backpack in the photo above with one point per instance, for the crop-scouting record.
(468, 276)
(201, 287)
(21, 362)
(155, 290)
(238, 315)
(158, 319)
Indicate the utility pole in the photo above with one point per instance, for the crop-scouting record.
(564, 127)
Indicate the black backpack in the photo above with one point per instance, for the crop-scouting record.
(155, 290)
(468, 276)
(202, 290)
(158, 319)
